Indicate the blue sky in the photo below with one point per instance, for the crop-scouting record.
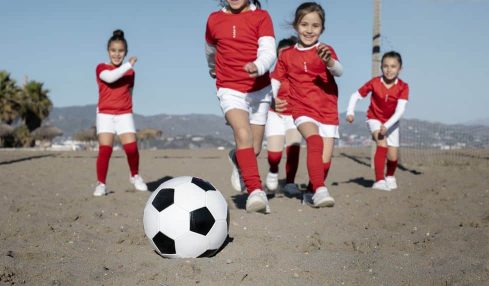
(444, 44)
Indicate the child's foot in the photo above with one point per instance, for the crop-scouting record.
(381, 185)
(138, 183)
(272, 181)
(100, 190)
(236, 180)
(291, 189)
(322, 198)
(391, 182)
(257, 202)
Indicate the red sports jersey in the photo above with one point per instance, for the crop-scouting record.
(383, 101)
(236, 39)
(313, 90)
(115, 98)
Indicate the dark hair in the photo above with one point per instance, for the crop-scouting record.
(286, 42)
(392, 54)
(306, 8)
(117, 35)
(255, 2)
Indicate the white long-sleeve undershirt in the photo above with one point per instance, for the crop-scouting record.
(354, 98)
(336, 69)
(210, 55)
(400, 108)
(275, 87)
(266, 55)
(110, 76)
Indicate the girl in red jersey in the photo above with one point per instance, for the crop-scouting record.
(114, 112)
(280, 129)
(388, 102)
(240, 50)
(310, 68)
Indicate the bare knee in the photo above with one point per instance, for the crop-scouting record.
(243, 137)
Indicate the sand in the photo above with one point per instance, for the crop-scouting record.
(433, 230)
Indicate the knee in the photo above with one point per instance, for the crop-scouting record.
(243, 136)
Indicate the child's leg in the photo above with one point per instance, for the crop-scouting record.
(105, 141)
(380, 155)
(328, 144)
(275, 145)
(293, 140)
(314, 143)
(130, 146)
(391, 161)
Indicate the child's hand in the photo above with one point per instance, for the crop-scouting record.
(212, 73)
(383, 130)
(350, 118)
(280, 105)
(325, 54)
(133, 60)
(251, 69)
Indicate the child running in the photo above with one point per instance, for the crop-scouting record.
(280, 129)
(114, 112)
(310, 68)
(387, 105)
(240, 50)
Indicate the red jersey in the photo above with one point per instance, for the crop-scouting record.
(116, 97)
(235, 37)
(383, 101)
(313, 89)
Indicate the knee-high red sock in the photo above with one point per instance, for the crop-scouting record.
(132, 154)
(391, 167)
(315, 161)
(379, 162)
(249, 168)
(273, 160)
(104, 153)
(326, 167)
(292, 162)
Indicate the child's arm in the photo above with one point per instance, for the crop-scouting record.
(280, 105)
(110, 76)
(210, 55)
(400, 108)
(266, 55)
(328, 56)
(350, 111)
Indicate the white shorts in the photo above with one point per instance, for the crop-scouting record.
(115, 123)
(325, 130)
(392, 133)
(256, 103)
(277, 125)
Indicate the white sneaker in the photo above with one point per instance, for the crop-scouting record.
(100, 190)
(236, 180)
(138, 183)
(257, 202)
(291, 190)
(272, 181)
(322, 198)
(381, 185)
(391, 182)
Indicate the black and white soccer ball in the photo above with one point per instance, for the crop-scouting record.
(186, 217)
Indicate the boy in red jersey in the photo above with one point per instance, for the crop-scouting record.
(388, 103)
(310, 68)
(114, 112)
(240, 50)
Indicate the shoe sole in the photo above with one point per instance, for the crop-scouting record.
(99, 195)
(381, 189)
(256, 206)
(325, 203)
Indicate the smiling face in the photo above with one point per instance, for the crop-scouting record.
(391, 67)
(309, 28)
(237, 6)
(117, 52)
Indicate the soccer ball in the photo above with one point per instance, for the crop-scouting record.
(186, 217)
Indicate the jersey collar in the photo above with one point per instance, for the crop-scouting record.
(308, 48)
(382, 80)
(252, 8)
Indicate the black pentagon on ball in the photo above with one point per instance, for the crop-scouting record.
(164, 244)
(163, 199)
(201, 221)
(203, 184)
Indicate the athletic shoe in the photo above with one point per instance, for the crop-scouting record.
(291, 190)
(236, 179)
(391, 182)
(138, 183)
(272, 181)
(322, 198)
(100, 190)
(381, 185)
(257, 202)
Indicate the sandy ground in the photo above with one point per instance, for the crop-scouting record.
(433, 230)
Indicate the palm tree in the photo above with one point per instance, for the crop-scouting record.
(10, 99)
(36, 104)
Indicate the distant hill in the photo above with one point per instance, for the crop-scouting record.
(480, 121)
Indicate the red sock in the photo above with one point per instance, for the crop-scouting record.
(326, 167)
(132, 154)
(249, 168)
(391, 167)
(104, 153)
(379, 162)
(292, 162)
(273, 160)
(315, 161)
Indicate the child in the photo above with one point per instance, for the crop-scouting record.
(240, 50)
(387, 105)
(310, 68)
(280, 129)
(114, 112)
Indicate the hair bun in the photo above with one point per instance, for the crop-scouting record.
(118, 33)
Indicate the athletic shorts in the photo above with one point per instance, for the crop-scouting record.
(115, 123)
(325, 130)
(392, 133)
(256, 103)
(278, 124)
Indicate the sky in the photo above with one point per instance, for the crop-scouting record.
(444, 44)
